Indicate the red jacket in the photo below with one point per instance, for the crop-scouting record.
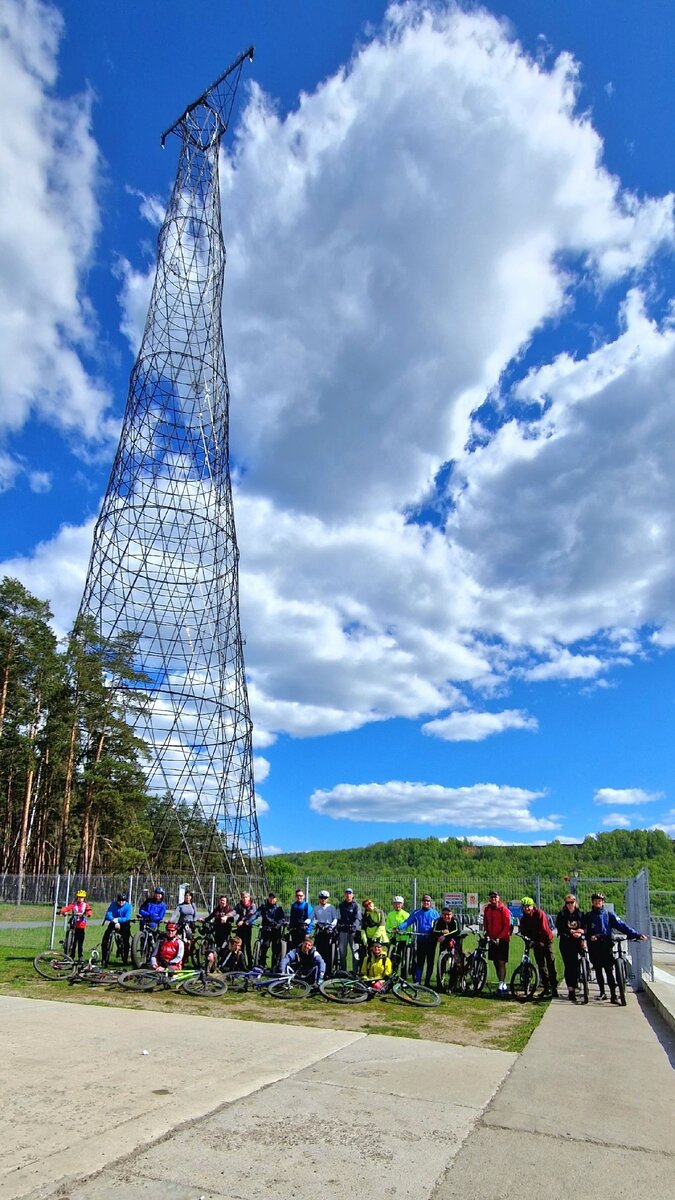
(535, 927)
(497, 920)
(81, 913)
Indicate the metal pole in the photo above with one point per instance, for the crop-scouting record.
(213, 893)
(414, 895)
(130, 891)
(307, 888)
(67, 899)
(537, 890)
(55, 906)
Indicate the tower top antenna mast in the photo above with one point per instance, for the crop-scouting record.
(218, 98)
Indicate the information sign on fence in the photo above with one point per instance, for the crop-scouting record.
(472, 899)
(453, 899)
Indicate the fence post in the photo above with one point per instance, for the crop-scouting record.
(55, 905)
(130, 889)
(537, 890)
(414, 895)
(307, 888)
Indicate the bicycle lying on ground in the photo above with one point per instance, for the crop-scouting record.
(193, 982)
(525, 978)
(347, 989)
(286, 986)
(56, 965)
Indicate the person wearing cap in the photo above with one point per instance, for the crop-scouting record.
(497, 926)
(79, 912)
(305, 962)
(153, 909)
(349, 924)
(570, 925)
(535, 927)
(598, 924)
(325, 917)
(272, 921)
(169, 951)
(376, 966)
(299, 919)
(119, 916)
(422, 920)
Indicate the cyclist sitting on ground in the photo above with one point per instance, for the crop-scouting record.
(119, 916)
(349, 925)
(447, 930)
(272, 920)
(230, 957)
(325, 918)
(168, 953)
(570, 925)
(599, 924)
(153, 909)
(497, 926)
(422, 920)
(80, 912)
(376, 965)
(246, 912)
(300, 919)
(305, 962)
(535, 927)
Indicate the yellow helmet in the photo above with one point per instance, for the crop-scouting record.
(81, 895)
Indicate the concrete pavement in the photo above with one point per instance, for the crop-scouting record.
(234, 1110)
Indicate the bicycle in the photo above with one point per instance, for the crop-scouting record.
(403, 947)
(190, 981)
(621, 961)
(583, 973)
(256, 980)
(347, 989)
(269, 937)
(525, 978)
(143, 942)
(451, 966)
(113, 937)
(476, 967)
(58, 966)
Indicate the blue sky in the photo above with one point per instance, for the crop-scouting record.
(448, 322)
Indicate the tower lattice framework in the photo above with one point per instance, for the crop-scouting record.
(165, 561)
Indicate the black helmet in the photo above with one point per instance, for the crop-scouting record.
(120, 897)
(598, 896)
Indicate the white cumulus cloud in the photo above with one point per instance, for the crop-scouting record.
(627, 796)
(476, 726)
(481, 805)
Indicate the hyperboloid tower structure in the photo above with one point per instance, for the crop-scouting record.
(164, 564)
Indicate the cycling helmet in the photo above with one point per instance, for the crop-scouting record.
(595, 896)
(171, 927)
(398, 900)
(158, 891)
(377, 945)
(527, 902)
(81, 895)
(324, 895)
(120, 897)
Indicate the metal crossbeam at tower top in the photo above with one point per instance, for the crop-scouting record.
(165, 562)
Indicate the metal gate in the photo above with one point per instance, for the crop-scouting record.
(638, 915)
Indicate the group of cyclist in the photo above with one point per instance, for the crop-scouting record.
(316, 941)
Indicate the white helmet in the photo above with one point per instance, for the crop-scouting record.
(398, 900)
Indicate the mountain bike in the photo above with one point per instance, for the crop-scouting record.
(113, 942)
(476, 967)
(143, 942)
(452, 965)
(258, 979)
(269, 937)
(620, 966)
(347, 989)
(403, 954)
(525, 978)
(583, 973)
(56, 965)
(191, 982)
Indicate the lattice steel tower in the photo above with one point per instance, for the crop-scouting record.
(165, 559)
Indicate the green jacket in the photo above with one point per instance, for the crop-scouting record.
(394, 919)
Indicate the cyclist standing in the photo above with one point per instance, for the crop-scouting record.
(447, 931)
(497, 925)
(272, 920)
(372, 925)
(325, 918)
(570, 925)
(349, 924)
(185, 916)
(168, 953)
(535, 927)
(300, 919)
(153, 909)
(396, 916)
(119, 916)
(305, 962)
(246, 912)
(599, 924)
(422, 920)
(80, 912)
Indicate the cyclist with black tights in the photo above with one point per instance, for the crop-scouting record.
(153, 909)
(272, 921)
(119, 916)
(185, 916)
(299, 919)
(599, 923)
(79, 912)
(570, 925)
(325, 917)
(422, 920)
(447, 930)
(246, 912)
(349, 924)
(221, 921)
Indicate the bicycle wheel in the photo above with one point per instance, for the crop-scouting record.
(69, 942)
(621, 976)
(206, 986)
(583, 980)
(343, 990)
(97, 977)
(289, 989)
(415, 993)
(475, 975)
(443, 969)
(141, 948)
(54, 965)
(107, 945)
(236, 981)
(524, 981)
(140, 980)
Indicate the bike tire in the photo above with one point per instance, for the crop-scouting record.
(69, 943)
(343, 990)
(475, 976)
(416, 993)
(289, 989)
(140, 980)
(141, 948)
(106, 945)
(443, 970)
(205, 986)
(236, 981)
(621, 976)
(583, 980)
(98, 977)
(524, 981)
(54, 965)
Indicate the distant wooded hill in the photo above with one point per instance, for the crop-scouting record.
(619, 853)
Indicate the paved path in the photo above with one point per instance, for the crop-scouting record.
(234, 1110)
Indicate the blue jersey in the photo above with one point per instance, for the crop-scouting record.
(154, 911)
(422, 920)
(599, 922)
(118, 912)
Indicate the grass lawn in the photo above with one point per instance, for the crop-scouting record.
(475, 1021)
